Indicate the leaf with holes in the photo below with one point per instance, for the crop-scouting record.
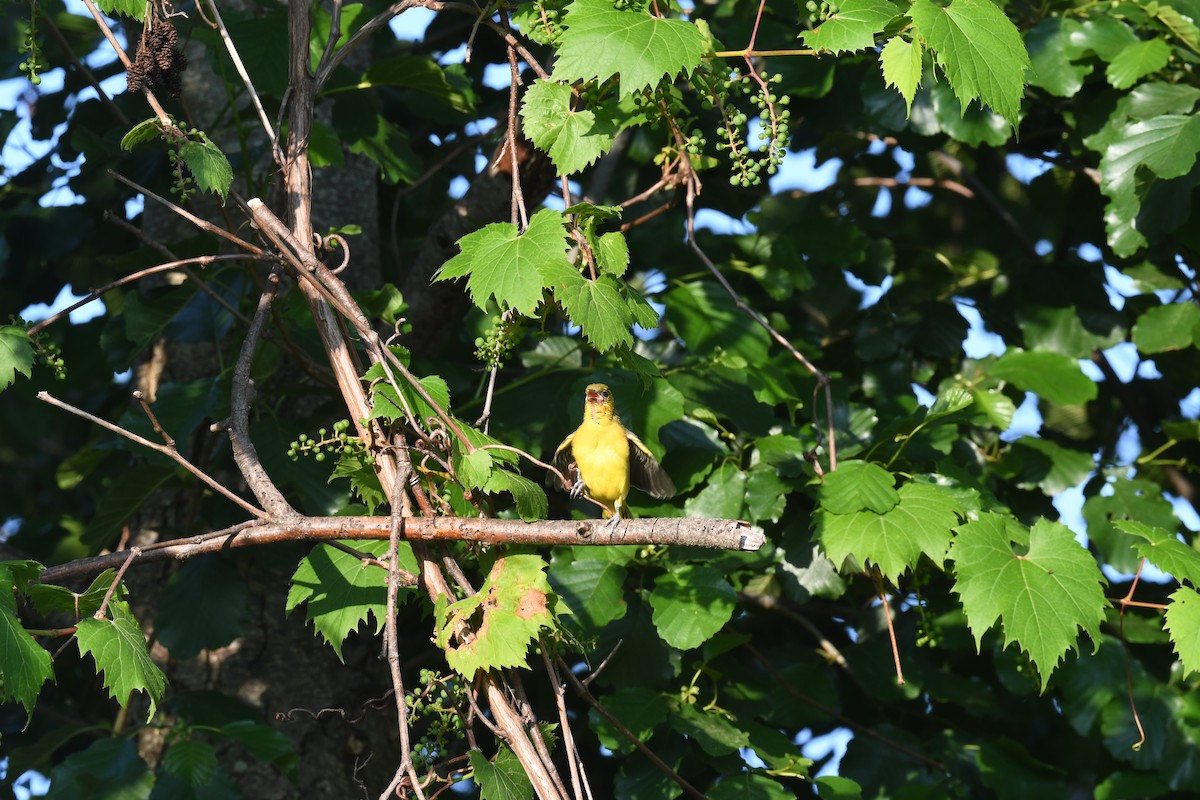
(493, 628)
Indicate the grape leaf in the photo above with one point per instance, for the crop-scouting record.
(24, 663)
(1183, 623)
(531, 501)
(208, 166)
(505, 615)
(599, 310)
(858, 486)
(1164, 550)
(573, 138)
(118, 647)
(601, 42)
(16, 355)
(691, 603)
(1051, 376)
(1042, 598)
(920, 523)
(1174, 326)
(715, 734)
(979, 49)
(510, 267)
(502, 779)
(900, 60)
(341, 591)
(852, 27)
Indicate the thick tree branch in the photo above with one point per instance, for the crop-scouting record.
(725, 534)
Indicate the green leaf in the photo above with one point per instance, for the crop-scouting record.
(573, 137)
(835, 787)
(147, 130)
(1053, 377)
(208, 166)
(191, 761)
(715, 734)
(127, 8)
(264, 743)
(690, 604)
(858, 486)
(749, 786)
(1042, 598)
(1052, 467)
(48, 597)
(24, 664)
(363, 479)
(1183, 623)
(341, 591)
(1164, 550)
(506, 615)
(599, 310)
(184, 632)
(510, 267)
(996, 406)
(920, 523)
(1165, 146)
(639, 709)
(900, 60)
(1175, 326)
(1136, 61)
(979, 49)
(118, 647)
(474, 468)
(503, 779)
(1050, 56)
(421, 73)
(593, 588)
(612, 251)
(110, 769)
(601, 42)
(853, 27)
(1139, 500)
(531, 501)
(386, 145)
(16, 355)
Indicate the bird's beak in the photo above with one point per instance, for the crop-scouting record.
(593, 396)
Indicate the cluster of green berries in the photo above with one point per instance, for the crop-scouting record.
(50, 355)
(773, 135)
(821, 10)
(33, 64)
(696, 142)
(549, 28)
(185, 185)
(495, 346)
(438, 705)
(340, 442)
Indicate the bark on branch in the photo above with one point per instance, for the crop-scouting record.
(723, 534)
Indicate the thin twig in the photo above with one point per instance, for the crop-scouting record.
(163, 118)
(169, 452)
(96, 294)
(141, 398)
(245, 76)
(202, 224)
(578, 777)
(134, 552)
(658, 763)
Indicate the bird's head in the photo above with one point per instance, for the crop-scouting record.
(598, 400)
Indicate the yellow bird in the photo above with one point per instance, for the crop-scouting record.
(608, 458)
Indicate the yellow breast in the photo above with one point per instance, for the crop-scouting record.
(601, 450)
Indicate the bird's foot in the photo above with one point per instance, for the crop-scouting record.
(611, 525)
(578, 488)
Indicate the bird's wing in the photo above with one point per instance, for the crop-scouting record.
(563, 457)
(645, 472)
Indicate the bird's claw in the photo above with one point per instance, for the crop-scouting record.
(612, 523)
(578, 488)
